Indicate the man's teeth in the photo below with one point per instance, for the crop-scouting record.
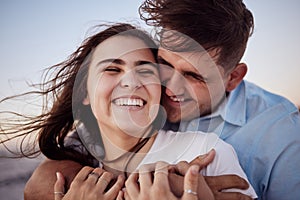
(178, 99)
(129, 102)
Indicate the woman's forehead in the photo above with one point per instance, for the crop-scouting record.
(122, 47)
(120, 44)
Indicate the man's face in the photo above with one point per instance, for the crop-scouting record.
(194, 84)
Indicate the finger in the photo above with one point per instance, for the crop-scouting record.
(104, 181)
(94, 175)
(191, 183)
(126, 195)
(204, 192)
(231, 196)
(114, 191)
(120, 195)
(145, 176)
(147, 168)
(172, 169)
(132, 188)
(218, 183)
(161, 175)
(204, 160)
(83, 174)
(176, 184)
(59, 186)
(182, 167)
(99, 171)
(92, 178)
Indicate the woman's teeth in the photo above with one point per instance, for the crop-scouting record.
(129, 102)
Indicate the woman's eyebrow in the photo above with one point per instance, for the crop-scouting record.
(145, 62)
(122, 62)
(111, 60)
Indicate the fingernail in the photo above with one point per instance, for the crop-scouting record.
(57, 175)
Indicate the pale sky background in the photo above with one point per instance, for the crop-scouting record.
(36, 34)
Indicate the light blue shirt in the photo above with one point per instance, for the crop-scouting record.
(264, 129)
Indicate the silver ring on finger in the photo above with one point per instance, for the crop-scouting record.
(94, 174)
(189, 191)
(59, 193)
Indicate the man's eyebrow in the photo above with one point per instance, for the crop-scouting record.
(111, 60)
(163, 61)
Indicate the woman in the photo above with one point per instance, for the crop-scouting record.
(110, 86)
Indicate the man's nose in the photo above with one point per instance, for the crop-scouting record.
(175, 84)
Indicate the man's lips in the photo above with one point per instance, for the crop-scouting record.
(175, 101)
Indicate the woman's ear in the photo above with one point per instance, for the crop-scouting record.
(236, 76)
(86, 101)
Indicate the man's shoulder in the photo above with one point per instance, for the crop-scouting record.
(258, 101)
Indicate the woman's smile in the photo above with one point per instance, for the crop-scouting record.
(130, 103)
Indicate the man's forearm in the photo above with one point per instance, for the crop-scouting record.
(40, 185)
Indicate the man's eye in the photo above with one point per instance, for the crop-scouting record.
(194, 76)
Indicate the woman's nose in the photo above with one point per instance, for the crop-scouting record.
(130, 80)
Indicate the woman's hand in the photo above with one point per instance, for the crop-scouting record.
(89, 183)
(141, 186)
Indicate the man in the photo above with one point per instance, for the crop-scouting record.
(202, 95)
(262, 127)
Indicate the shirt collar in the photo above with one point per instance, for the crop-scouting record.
(233, 108)
(236, 106)
(219, 112)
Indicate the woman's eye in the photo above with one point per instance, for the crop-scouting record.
(112, 69)
(146, 72)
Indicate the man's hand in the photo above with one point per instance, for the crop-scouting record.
(41, 183)
(219, 183)
(215, 183)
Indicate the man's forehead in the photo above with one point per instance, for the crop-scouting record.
(194, 58)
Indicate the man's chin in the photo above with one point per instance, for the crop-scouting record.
(178, 118)
(174, 118)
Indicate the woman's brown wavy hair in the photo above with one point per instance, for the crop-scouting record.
(61, 111)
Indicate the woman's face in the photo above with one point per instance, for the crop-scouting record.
(123, 85)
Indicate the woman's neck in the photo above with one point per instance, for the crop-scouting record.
(121, 149)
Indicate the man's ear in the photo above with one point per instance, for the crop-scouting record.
(86, 101)
(236, 76)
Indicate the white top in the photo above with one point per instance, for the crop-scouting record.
(173, 147)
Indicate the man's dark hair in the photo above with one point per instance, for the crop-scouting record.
(224, 25)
